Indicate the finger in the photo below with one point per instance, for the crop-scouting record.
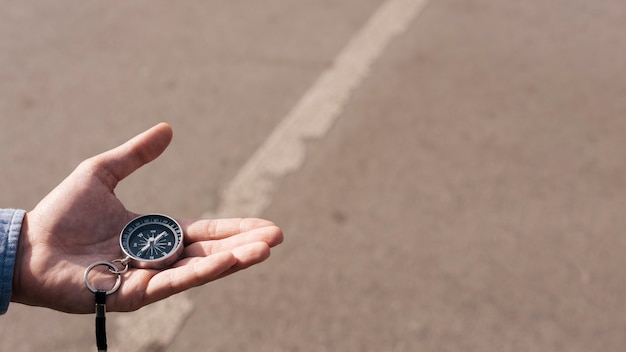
(138, 151)
(187, 274)
(143, 287)
(270, 235)
(247, 256)
(216, 229)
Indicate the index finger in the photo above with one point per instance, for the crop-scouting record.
(216, 229)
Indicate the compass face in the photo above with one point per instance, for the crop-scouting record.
(152, 241)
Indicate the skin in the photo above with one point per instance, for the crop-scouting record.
(79, 223)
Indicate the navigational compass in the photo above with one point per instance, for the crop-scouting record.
(152, 241)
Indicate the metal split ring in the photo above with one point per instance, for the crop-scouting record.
(112, 268)
(124, 262)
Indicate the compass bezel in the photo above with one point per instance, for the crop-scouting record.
(151, 221)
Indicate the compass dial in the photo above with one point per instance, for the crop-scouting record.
(152, 241)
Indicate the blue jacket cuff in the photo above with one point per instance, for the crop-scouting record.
(10, 226)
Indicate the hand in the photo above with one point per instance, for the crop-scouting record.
(79, 223)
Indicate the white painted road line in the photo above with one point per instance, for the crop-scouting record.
(284, 151)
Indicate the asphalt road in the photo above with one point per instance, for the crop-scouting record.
(467, 196)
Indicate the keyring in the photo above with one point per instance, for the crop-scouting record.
(112, 268)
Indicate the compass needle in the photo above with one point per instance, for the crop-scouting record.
(161, 235)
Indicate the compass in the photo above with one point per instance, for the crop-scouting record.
(152, 241)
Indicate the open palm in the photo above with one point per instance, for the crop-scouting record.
(79, 223)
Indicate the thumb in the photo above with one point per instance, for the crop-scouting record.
(123, 160)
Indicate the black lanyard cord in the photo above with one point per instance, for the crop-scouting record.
(101, 330)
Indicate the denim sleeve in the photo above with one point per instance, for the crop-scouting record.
(10, 226)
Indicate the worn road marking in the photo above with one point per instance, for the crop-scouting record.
(253, 188)
(284, 151)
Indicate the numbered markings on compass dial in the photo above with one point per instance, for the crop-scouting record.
(151, 237)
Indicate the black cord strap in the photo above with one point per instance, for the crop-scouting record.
(101, 331)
